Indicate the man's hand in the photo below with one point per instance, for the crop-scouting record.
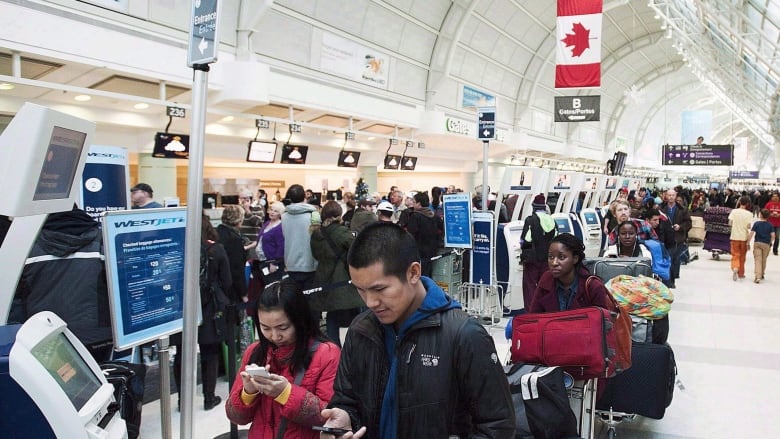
(338, 418)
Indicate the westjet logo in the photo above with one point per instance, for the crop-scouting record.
(147, 222)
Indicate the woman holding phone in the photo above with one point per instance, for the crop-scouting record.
(300, 365)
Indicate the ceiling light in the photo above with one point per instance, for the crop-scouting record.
(82, 98)
(141, 106)
(668, 34)
(227, 119)
(6, 86)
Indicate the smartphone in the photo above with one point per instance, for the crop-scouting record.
(257, 371)
(331, 430)
(266, 271)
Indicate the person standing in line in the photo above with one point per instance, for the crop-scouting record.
(773, 206)
(141, 196)
(538, 231)
(296, 221)
(397, 200)
(384, 212)
(427, 230)
(739, 221)
(680, 218)
(764, 234)
(414, 365)
(364, 214)
(349, 208)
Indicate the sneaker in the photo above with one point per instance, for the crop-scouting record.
(756, 280)
(734, 275)
(210, 403)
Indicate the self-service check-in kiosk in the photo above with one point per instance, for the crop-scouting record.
(592, 232)
(523, 183)
(51, 385)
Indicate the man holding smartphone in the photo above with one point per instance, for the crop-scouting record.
(414, 365)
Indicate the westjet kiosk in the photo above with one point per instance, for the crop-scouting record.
(51, 385)
(524, 183)
(591, 215)
(567, 185)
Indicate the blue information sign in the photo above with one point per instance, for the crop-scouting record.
(145, 268)
(457, 220)
(486, 123)
(482, 252)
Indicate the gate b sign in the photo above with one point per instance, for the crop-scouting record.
(577, 108)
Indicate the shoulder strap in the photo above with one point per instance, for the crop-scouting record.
(298, 380)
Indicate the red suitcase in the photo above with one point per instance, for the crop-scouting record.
(577, 340)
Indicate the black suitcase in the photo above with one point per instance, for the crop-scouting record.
(128, 381)
(607, 268)
(645, 389)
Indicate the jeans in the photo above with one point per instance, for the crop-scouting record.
(777, 239)
(675, 253)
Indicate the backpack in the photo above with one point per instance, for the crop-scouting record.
(531, 252)
(210, 291)
(662, 260)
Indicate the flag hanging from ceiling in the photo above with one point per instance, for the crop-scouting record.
(578, 44)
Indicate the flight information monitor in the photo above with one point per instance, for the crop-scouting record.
(698, 155)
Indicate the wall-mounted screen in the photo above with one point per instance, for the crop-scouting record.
(562, 181)
(229, 199)
(261, 152)
(171, 146)
(59, 166)
(348, 159)
(294, 154)
(620, 162)
(392, 161)
(611, 183)
(408, 163)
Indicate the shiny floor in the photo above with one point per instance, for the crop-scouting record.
(726, 339)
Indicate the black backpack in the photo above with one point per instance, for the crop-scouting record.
(536, 250)
(204, 281)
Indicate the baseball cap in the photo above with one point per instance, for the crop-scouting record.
(142, 187)
(366, 202)
(385, 206)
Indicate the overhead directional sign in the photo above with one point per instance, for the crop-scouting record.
(203, 41)
(698, 155)
(486, 123)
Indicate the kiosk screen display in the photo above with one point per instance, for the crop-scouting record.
(60, 358)
(59, 166)
(590, 218)
(563, 225)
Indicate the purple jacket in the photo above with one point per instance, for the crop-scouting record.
(273, 242)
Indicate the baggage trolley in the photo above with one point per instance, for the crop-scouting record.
(717, 231)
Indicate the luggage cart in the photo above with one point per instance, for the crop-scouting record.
(717, 231)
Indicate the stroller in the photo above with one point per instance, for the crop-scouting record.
(717, 231)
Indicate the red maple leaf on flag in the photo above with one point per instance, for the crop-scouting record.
(579, 39)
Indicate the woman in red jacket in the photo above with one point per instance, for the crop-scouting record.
(302, 366)
(564, 286)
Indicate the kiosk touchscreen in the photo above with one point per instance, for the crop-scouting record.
(51, 386)
(592, 233)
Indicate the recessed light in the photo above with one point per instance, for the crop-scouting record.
(141, 106)
(82, 98)
(227, 119)
(6, 86)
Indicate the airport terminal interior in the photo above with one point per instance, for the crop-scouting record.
(201, 99)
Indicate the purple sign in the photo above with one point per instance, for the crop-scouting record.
(698, 155)
(743, 174)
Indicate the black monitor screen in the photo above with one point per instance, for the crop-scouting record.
(333, 195)
(63, 362)
(261, 152)
(171, 146)
(59, 165)
(294, 154)
(392, 161)
(348, 159)
(620, 162)
(229, 199)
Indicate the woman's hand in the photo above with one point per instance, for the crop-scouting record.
(271, 386)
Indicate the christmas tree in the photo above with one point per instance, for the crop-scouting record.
(361, 189)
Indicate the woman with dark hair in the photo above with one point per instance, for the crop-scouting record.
(212, 332)
(627, 245)
(565, 286)
(329, 246)
(301, 366)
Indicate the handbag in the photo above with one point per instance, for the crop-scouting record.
(623, 330)
(581, 341)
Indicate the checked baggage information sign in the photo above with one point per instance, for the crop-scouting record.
(698, 155)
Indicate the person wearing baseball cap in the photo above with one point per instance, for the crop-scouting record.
(141, 196)
(385, 211)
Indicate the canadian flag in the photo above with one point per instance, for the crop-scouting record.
(578, 39)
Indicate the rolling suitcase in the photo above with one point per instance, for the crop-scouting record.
(128, 381)
(646, 389)
(607, 268)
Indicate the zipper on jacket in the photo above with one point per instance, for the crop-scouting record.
(409, 355)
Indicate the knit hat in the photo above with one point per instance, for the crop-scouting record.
(539, 202)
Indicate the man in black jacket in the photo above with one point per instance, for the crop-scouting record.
(414, 365)
(65, 274)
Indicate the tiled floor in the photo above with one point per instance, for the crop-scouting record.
(726, 339)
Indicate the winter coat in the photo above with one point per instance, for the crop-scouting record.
(449, 377)
(682, 218)
(272, 242)
(219, 273)
(303, 407)
(546, 295)
(233, 243)
(332, 268)
(362, 218)
(64, 273)
(297, 247)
